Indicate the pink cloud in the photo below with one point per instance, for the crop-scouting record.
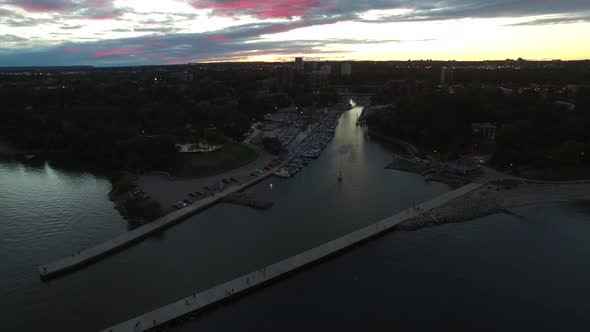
(117, 51)
(42, 6)
(221, 39)
(262, 8)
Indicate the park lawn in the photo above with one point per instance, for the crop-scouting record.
(231, 156)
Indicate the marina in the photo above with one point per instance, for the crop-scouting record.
(286, 165)
(311, 145)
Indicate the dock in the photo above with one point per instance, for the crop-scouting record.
(247, 200)
(89, 255)
(198, 301)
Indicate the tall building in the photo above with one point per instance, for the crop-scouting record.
(299, 64)
(447, 75)
(346, 69)
(326, 69)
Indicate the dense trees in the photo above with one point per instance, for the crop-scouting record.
(122, 118)
(532, 130)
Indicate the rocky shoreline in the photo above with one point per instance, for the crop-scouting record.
(492, 199)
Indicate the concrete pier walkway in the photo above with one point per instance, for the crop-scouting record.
(86, 256)
(197, 301)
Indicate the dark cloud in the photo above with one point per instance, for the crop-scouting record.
(71, 27)
(91, 9)
(43, 6)
(11, 39)
(166, 45)
(421, 10)
(172, 48)
(556, 20)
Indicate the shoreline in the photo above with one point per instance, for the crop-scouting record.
(491, 199)
(168, 190)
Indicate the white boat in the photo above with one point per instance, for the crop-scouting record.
(283, 173)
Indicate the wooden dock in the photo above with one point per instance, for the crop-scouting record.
(89, 255)
(204, 299)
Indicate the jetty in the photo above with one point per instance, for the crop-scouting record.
(244, 199)
(201, 300)
(89, 255)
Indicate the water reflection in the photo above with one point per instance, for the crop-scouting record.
(51, 213)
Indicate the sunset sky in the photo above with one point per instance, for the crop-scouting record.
(142, 32)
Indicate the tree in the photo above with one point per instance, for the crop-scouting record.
(273, 145)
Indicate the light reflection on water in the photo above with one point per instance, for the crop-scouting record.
(46, 213)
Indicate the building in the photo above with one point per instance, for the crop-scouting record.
(447, 75)
(299, 64)
(318, 80)
(326, 69)
(484, 132)
(346, 69)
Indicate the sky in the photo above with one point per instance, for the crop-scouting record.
(148, 32)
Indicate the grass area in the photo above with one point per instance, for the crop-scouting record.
(231, 156)
(568, 173)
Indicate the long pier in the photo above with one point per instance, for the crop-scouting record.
(89, 255)
(197, 301)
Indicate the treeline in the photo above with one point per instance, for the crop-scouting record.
(532, 129)
(128, 121)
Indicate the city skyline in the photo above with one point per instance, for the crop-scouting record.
(133, 32)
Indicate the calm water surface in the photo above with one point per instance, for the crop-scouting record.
(498, 273)
(46, 213)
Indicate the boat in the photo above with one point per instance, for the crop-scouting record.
(283, 173)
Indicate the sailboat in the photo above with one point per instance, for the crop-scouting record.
(340, 177)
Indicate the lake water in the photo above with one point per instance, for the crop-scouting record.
(47, 213)
(497, 273)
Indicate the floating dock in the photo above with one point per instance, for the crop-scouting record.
(197, 301)
(89, 255)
